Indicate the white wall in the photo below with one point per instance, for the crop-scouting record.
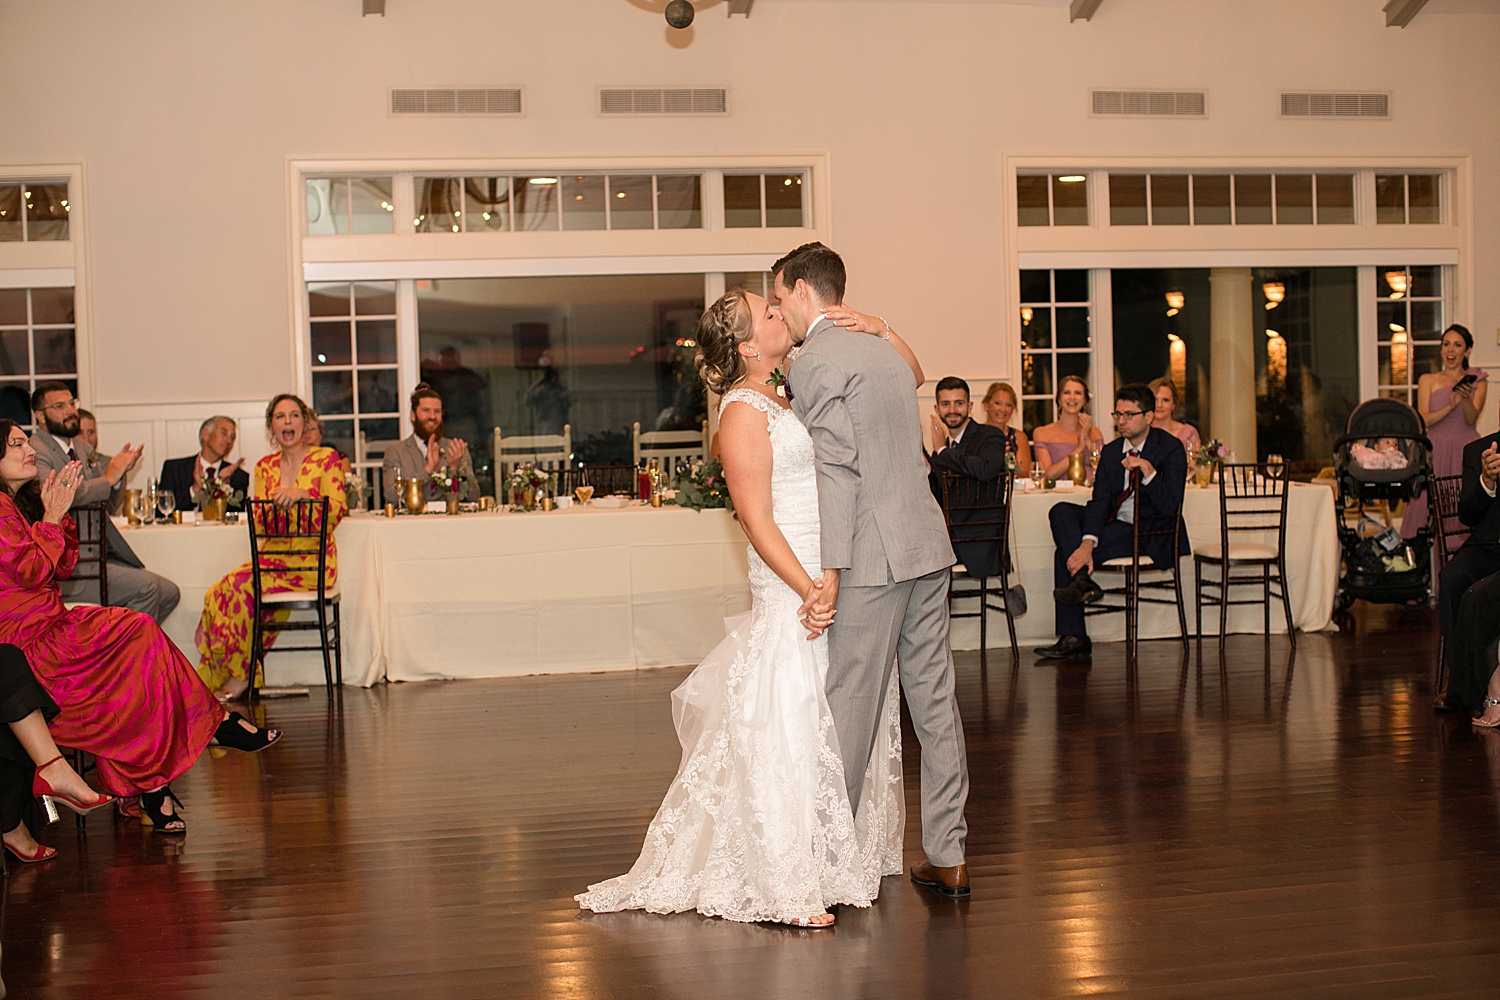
(185, 112)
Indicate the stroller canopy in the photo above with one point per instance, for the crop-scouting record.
(1378, 418)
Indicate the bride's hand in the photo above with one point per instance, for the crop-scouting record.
(856, 322)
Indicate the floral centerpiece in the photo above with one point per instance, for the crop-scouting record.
(215, 496)
(701, 485)
(1205, 457)
(354, 489)
(447, 480)
(525, 482)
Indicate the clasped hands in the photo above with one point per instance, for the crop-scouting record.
(817, 610)
(1489, 467)
(58, 490)
(1137, 462)
(453, 451)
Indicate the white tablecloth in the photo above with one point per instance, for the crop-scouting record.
(495, 594)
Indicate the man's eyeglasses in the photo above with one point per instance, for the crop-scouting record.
(62, 404)
(1123, 414)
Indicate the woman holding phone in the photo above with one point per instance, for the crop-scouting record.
(1450, 401)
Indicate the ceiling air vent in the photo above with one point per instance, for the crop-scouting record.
(457, 101)
(1151, 103)
(663, 101)
(1335, 105)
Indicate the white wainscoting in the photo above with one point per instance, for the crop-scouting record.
(170, 430)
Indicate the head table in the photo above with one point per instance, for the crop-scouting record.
(502, 593)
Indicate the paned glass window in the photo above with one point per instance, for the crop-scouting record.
(561, 201)
(1056, 338)
(1413, 199)
(352, 341)
(1409, 327)
(764, 201)
(34, 211)
(342, 205)
(1224, 199)
(1052, 199)
(38, 342)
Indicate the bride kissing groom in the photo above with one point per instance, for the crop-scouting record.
(788, 799)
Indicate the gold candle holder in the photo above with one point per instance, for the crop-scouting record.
(656, 499)
(132, 506)
(546, 503)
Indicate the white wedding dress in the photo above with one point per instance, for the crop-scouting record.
(756, 826)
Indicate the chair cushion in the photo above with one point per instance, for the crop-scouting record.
(299, 596)
(1123, 562)
(1237, 550)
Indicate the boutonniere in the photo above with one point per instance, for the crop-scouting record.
(778, 381)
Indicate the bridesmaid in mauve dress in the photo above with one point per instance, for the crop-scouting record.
(1451, 414)
(126, 694)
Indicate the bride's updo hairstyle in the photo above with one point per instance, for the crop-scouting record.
(724, 326)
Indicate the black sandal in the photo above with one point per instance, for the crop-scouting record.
(152, 816)
(233, 736)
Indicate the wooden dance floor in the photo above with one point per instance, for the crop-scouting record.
(1274, 829)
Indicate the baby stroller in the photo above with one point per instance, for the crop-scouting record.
(1385, 455)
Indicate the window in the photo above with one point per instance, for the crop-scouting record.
(1409, 327)
(1162, 329)
(1052, 199)
(1056, 338)
(339, 205)
(597, 353)
(34, 211)
(1306, 361)
(1407, 198)
(1225, 199)
(759, 282)
(764, 201)
(354, 382)
(38, 342)
(561, 201)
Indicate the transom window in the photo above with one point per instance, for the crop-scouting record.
(34, 211)
(1414, 199)
(1230, 199)
(1056, 338)
(764, 201)
(38, 342)
(1052, 199)
(1409, 327)
(558, 201)
(341, 205)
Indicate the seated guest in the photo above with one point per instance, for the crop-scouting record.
(1102, 530)
(88, 429)
(30, 765)
(1469, 590)
(185, 476)
(419, 455)
(293, 472)
(1072, 433)
(998, 407)
(312, 438)
(57, 442)
(973, 450)
(1166, 411)
(125, 693)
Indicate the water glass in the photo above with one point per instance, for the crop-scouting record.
(165, 504)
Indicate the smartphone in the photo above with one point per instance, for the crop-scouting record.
(1465, 381)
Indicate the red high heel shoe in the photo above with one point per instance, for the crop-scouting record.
(43, 853)
(50, 799)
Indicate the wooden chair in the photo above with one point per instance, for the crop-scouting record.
(1253, 500)
(545, 451)
(1134, 566)
(978, 513)
(93, 551)
(368, 456)
(1442, 516)
(605, 479)
(671, 447)
(301, 532)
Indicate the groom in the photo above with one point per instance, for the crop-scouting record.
(885, 552)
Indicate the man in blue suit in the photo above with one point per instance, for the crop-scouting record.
(1102, 530)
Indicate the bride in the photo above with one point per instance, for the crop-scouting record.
(757, 826)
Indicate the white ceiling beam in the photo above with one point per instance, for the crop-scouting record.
(1082, 10)
(1398, 13)
(740, 7)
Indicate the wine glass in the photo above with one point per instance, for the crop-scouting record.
(166, 503)
(137, 505)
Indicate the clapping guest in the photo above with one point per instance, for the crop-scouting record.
(975, 451)
(419, 455)
(1166, 416)
(998, 407)
(57, 441)
(1469, 590)
(124, 691)
(185, 476)
(1072, 433)
(291, 473)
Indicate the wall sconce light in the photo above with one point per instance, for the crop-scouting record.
(1275, 293)
(1397, 282)
(1174, 303)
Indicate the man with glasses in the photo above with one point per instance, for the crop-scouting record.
(58, 441)
(1101, 530)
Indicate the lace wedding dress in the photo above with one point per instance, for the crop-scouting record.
(756, 826)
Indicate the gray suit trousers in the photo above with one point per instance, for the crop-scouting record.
(137, 589)
(909, 622)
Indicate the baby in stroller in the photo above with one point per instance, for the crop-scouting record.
(1386, 454)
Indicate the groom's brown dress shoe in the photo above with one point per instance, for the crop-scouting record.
(948, 881)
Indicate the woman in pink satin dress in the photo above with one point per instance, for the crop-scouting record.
(126, 694)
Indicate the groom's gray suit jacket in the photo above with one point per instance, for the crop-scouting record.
(857, 398)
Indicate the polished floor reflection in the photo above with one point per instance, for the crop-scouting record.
(1268, 829)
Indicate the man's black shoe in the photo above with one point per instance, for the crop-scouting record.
(1065, 646)
(1083, 590)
